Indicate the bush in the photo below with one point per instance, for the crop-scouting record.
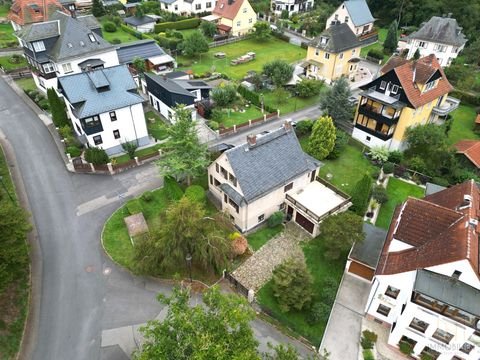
(147, 196)
(368, 355)
(130, 147)
(276, 219)
(213, 125)
(134, 207)
(96, 156)
(43, 104)
(329, 290)
(109, 27)
(406, 348)
(319, 312)
(395, 157)
(116, 41)
(223, 95)
(308, 87)
(361, 195)
(440, 181)
(73, 151)
(388, 168)
(177, 25)
(380, 194)
(304, 127)
(173, 190)
(65, 131)
(369, 338)
(196, 193)
(376, 54)
(375, 173)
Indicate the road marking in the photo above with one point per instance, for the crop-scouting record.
(95, 204)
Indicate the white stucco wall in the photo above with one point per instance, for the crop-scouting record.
(166, 111)
(109, 57)
(444, 58)
(363, 136)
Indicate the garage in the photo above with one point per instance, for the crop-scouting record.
(304, 222)
(361, 270)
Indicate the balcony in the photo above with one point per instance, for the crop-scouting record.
(368, 37)
(48, 76)
(379, 116)
(372, 132)
(447, 107)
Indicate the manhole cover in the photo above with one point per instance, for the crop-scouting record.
(89, 269)
(107, 271)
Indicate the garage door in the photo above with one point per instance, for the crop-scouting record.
(304, 222)
(361, 270)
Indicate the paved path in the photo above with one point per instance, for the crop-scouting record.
(257, 270)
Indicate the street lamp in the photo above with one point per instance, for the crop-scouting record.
(5, 188)
(188, 259)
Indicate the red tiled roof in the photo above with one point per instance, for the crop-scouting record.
(437, 229)
(227, 8)
(24, 12)
(471, 149)
(224, 27)
(410, 73)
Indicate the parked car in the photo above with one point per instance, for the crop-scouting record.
(222, 147)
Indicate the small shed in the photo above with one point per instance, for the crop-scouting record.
(142, 24)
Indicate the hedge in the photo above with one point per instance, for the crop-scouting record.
(173, 190)
(134, 32)
(254, 98)
(177, 25)
(376, 54)
(466, 97)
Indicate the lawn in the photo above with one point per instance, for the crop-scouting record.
(382, 34)
(291, 104)
(120, 34)
(14, 298)
(4, 9)
(158, 129)
(320, 267)
(462, 125)
(7, 39)
(265, 51)
(230, 118)
(26, 83)
(260, 237)
(142, 152)
(397, 191)
(7, 65)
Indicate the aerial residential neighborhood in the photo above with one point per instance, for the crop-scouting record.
(239, 179)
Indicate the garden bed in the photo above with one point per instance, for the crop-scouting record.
(7, 64)
(7, 39)
(122, 159)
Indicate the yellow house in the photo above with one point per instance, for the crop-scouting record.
(235, 17)
(333, 54)
(407, 93)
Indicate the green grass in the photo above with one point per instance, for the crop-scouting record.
(231, 118)
(291, 104)
(120, 34)
(7, 65)
(6, 36)
(398, 191)
(265, 52)
(260, 237)
(382, 35)
(26, 84)
(463, 124)
(142, 152)
(157, 129)
(320, 267)
(4, 9)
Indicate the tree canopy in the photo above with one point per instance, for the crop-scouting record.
(208, 28)
(194, 44)
(322, 139)
(335, 102)
(279, 71)
(391, 41)
(57, 108)
(98, 9)
(262, 30)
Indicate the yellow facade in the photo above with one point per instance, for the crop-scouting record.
(243, 21)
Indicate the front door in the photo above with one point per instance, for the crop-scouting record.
(289, 212)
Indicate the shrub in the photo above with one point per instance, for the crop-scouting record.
(380, 194)
(177, 25)
(395, 157)
(173, 190)
(440, 181)
(65, 131)
(147, 196)
(319, 312)
(109, 27)
(43, 104)
(388, 168)
(15, 59)
(73, 151)
(276, 219)
(213, 125)
(368, 355)
(376, 54)
(406, 348)
(329, 290)
(223, 95)
(369, 338)
(379, 153)
(304, 127)
(134, 207)
(116, 41)
(308, 87)
(239, 244)
(130, 147)
(196, 193)
(375, 173)
(361, 194)
(96, 156)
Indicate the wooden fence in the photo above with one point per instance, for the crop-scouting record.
(236, 284)
(227, 41)
(240, 127)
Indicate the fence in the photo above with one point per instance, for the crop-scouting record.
(409, 174)
(237, 285)
(227, 41)
(248, 124)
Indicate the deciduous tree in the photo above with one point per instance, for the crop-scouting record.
(335, 102)
(322, 139)
(224, 95)
(208, 28)
(279, 71)
(139, 64)
(308, 87)
(262, 30)
(194, 44)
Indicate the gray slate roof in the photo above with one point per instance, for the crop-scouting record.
(87, 94)
(275, 160)
(168, 1)
(142, 49)
(448, 290)
(431, 188)
(233, 194)
(441, 30)
(178, 86)
(137, 21)
(359, 12)
(39, 31)
(368, 251)
(339, 38)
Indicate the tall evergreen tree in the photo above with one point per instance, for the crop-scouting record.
(98, 9)
(391, 41)
(322, 139)
(335, 102)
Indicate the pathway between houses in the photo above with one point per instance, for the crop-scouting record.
(257, 270)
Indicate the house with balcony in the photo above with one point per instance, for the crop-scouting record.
(292, 6)
(426, 287)
(65, 45)
(271, 173)
(441, 36)
(24, 12)
(105, 108)
(234, 17)
(407, 93)
(333, 54)
(356, 14)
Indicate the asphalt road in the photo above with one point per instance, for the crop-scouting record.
(82, 292)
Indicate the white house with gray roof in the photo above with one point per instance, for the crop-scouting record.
(143, 24)
(187, 7)
(292, 6)
(441, 36)
(271, 173)
(65, 45)
(105, 108)
(356, 14)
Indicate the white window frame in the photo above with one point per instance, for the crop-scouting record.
(67, 68)
(250, 20)
(383, 85)
(395, 89)
(239, 23)
(198, 6)
(48, 68)
(346, 19)
(208, 5)
(38, 46)
(422, 44)
(327, 55)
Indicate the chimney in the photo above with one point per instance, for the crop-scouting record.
(251, 140)
(165, 77)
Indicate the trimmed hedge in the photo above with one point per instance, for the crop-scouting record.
(254, 98)
(96, 156)
(361, 195)
(376, 54)
(196, 193)
(466, 97)
(177, 25)
(134, 207)
(173, 190)
(133, 32)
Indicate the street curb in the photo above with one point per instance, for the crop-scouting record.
(32, 319)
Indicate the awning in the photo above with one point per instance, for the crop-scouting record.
(211, 18)
(224, 27)
(160, 59)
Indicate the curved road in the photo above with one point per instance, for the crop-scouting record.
(82, 292)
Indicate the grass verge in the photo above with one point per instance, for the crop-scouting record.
(261, 237)
(7, 65)
(463, 124)
(157, 128)
(26, 84)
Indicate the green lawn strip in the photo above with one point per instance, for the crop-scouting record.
(121, 159)
(291, 104)
(260, 237)
(14, 300)
(26, 83)
(158, 129)
(233, 117)
(463, 124)
(6, 33)
(320, 268)
(398, 191)
(265, 51)
(120, 34)
(7, 65)
(4, 9)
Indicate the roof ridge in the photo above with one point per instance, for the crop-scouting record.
(435, 204)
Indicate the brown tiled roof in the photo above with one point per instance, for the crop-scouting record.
(411, 73)
(24, 12)
(437, 227)
(227, 8)
(471, 149)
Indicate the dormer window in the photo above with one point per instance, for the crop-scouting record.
(430, 85)
(323, 40)
(38, 46)
(92, 37)
(394, 89)
(383, 85)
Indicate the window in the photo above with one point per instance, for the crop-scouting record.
(38, 46)
(346, 19)
(394, 89)
(368, 138)
(317, 52)
(384, 310)
(92, 37)
(323, 40)
(392, 292)
(176, 7)
(238, 23)
(250, 20)
(383, 85)
(116, 134)
(232, 179)
(455, 50)
(419, 325)
(217, 168)
(208, 5)
(244, 10)
(97, 139)
(48, 68)
(288, 187)
(41, 82)
(92, 121)
(341, 56)
(353, 51)
(233, 204)
(440, 48)
(422, 44)
(467, 348)
(166, 7)
(261, 218)
(327, 56)
(198, 6)
(211, 180)
(281, 206)
(430, 85)
(442, 335)
(216, 183)
(67, 68)
(225, 198)
(336, 16)
(113, 116)
(79, 130)
(224, 173)
(429, 353)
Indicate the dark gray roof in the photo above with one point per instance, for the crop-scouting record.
(368, 251)
(170, 85)
(90, 62)
(275, 160)
(433, 188)
(359, 12)
(448, 290)
(192, 84)
(175, 74)
(39, 31)
(233, 194)
(441, 30)
(100, 91)
(168, 1)
(89, 21)
(142, 49)
(137, 21)
(339, 37)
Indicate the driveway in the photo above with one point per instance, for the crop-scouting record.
(345, 321)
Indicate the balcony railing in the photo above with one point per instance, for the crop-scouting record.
(372, 113)
(90, 130)
(48, 76)
(447, 107)
(377, 134)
